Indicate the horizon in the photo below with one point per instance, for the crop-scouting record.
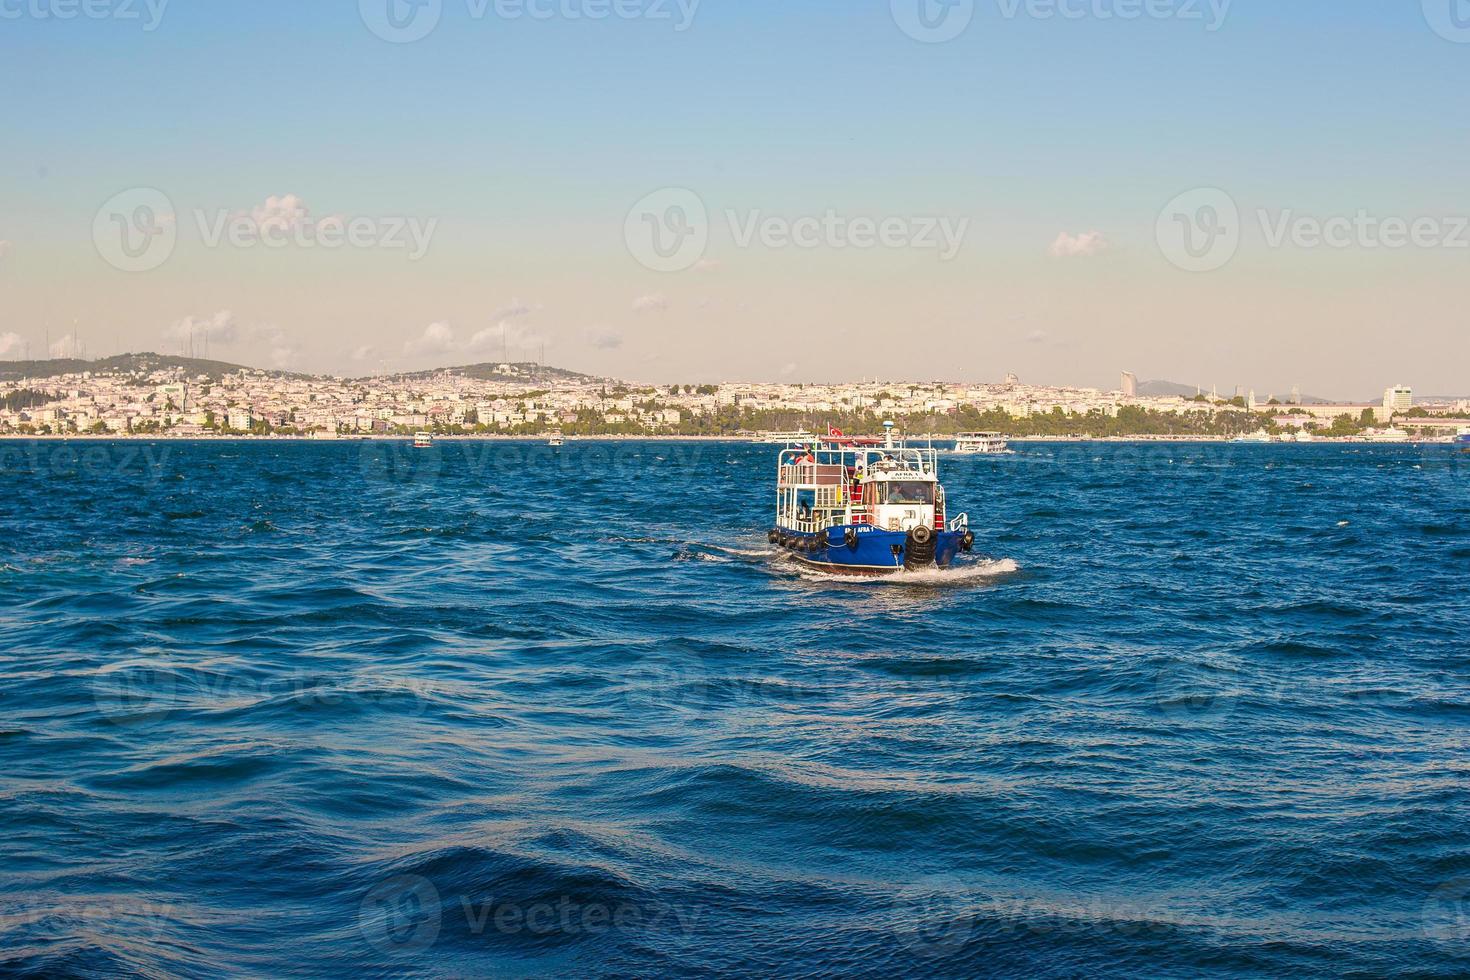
(640, 196)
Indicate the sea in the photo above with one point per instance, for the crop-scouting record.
(278, 709)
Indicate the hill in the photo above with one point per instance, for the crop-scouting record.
(524, 372)
(1169, 389)
(144, 363)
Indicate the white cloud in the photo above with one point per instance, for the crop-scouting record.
(788, 369)
(603, 338)
(284, 213)
(224, 330)
(362, 353)
(11, 343)
(503, 339)
(652, 303)
(438, 338)
(218, 329)
(1076, 246)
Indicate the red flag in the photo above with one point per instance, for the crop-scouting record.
(833, 432)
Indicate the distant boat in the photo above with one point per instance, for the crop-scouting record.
(785, 438)
(557, 440)
(1390, 434)
(1462, 441)
(423, 440)
(1255, 438)
(982, 444)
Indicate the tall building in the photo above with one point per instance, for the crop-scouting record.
(1130, 385)
(1296, 395)
(1398, 400)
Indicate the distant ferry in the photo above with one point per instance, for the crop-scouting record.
(557, 440)
(1255, 438)
(1462, 441)
(865, 507)
(982, 444)
(423, 440)
(786, 438)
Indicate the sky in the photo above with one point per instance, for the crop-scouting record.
(1261, 192)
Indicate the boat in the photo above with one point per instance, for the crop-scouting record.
(557, 440)
(785, 438)
(850, 507)
(423, 440)
(1462, 441)
(1390, 434)
(1260, 437)
(982, 444)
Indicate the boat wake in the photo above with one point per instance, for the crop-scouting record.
(954, 576)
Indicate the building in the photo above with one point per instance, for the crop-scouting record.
(1398, 400)
(239, 419)
(1129, 386)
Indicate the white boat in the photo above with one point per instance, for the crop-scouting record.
(423, 440)
(557, 440)
(1261, 437)
(982, 444)
(785, 438)
(1390, 434)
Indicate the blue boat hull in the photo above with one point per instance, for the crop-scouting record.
(876, 552)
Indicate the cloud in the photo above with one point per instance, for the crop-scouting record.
(1088, 243)
(652, 303)
(223, 329)
(219, 329)
(11, 343)
(788, 369)
(505, 338)
(603, 338)
(362, 353)
(437, 338)
(1037, 337)
(280, 213)
(514, 311)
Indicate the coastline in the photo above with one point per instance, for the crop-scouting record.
(1018, 440)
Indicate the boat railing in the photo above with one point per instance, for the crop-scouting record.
(959, 522)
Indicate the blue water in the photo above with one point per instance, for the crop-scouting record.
(286, 709)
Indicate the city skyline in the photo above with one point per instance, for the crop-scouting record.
(660, 208)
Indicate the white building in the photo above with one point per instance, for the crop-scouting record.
(1397, 400)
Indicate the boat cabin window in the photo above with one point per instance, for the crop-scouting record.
(911, 492)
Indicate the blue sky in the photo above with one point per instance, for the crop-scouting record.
(528, 141)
